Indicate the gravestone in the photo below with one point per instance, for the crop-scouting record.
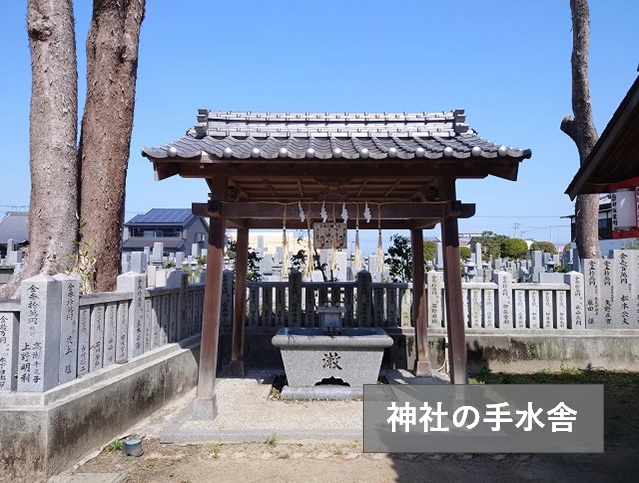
(158, 253)
(179, 259)
(11, 245)
(70, 292)
(576, 302)
(9, 331)
(39, 339)
(195, 250)
(14, 257)
(138, 262)
(134, 283)
(439, 257)
(151, 272)
(504, 300)
(125, 262)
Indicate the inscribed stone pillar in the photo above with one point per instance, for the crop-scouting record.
(576, 304)
(96, 338)
(434, 282)
(364, 299)
(534, 308)
(547, 309)
(84, 330)
(504, 299)
(148, 324)
(39, 339)
(226, 306)
(607, 293)
(134, 283)
(122, 333)
(70, 292)
(489, 307)
(182, 310)
(110, 332)
(475, 307)
(295, 298)
(593, 279)
(520, 309)
(623, 274)
(9, 328)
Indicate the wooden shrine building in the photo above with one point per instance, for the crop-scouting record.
(261, 166)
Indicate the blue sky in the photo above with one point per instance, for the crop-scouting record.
(507, 63)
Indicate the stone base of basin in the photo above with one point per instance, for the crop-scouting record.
(322, 392)
(310, 358)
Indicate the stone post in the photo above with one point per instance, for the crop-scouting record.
(364, 299)
(434, 282)
(134, 283)
(576, 304)
(295, 298)
(70, 292)
(39, 340)
(504, 299)
(8, 350)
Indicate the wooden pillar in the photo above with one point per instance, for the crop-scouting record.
(241, 260)
(205, 406)
(453, 284)
(422, 363)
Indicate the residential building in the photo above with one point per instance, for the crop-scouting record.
(177, 228)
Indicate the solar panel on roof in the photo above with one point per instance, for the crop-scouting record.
(163, 216)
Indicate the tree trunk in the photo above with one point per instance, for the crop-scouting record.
(52, 141)
(112, 60)
(582, 130)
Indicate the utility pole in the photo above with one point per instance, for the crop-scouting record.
(516, 227)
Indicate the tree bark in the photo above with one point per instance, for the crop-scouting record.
(112, 60)
(52, 141)
(581, 129)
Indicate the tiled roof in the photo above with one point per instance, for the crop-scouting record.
(247, 135)
(15, 226)
(162, 216)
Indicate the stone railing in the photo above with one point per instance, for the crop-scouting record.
(54, 335)
(294, 303)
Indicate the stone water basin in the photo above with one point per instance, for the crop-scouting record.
(352, 358)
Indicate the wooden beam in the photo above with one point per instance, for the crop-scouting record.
(241, 259)
(390, 211)
(207, 404)
(422, 363)
(454, 301)
(506, 168)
